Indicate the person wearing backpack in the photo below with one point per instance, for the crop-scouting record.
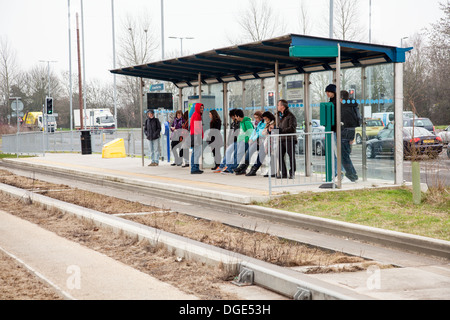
(350, 119)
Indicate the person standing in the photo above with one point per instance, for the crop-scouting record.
(196, 138)
(152, 130)
(350, 119)
(287, 124)
(214, 139)
(184, 152)
(177, 138)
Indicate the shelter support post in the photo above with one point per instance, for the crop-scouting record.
(338, 117)
(225, 116)
(277, 97)
(262, 95)
(308, 139)
(398, 122)
(200, 101)
(180, 99)
(141, 84)
(363, 124)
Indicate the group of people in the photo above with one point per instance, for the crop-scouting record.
(245, 138)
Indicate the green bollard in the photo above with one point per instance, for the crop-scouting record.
(416, 182)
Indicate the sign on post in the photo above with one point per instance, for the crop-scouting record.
(17, 105)
(314, 51)
(157, 87)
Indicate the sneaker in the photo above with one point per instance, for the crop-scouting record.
(226, 172)
(197, 172)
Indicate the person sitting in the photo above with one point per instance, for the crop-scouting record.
(254, 144)
(245, 130)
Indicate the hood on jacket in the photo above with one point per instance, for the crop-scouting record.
(197, 117)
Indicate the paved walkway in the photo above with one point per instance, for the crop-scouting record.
(76, 271)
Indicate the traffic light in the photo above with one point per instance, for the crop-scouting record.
(352, 94)
(49, 105)
(271, 98)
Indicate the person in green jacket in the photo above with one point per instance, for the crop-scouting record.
(245, 131)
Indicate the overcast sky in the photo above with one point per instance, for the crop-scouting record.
(39, 29)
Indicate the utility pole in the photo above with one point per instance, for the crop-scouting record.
(80, 86)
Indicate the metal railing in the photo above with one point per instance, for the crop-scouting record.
(300, 159)
(37, 142)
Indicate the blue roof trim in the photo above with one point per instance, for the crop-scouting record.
(393, 53)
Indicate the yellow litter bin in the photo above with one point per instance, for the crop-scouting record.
(114, 149)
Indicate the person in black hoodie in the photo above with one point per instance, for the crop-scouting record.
(349, 121)
(152, 130)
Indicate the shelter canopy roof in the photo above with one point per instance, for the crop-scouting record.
(257, 60)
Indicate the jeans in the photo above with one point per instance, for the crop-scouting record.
(237, 155)
(195, 157)
(347, 164)
(230, 152)
(153, 147)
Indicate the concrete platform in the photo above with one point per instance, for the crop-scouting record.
(212, 185)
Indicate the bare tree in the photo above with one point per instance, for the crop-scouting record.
(9, 73)
(415, 77)
(304, 22)
(137, 46)
(259, 22)
(438, 54)
(346, 20)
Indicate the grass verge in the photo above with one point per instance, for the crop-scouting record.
(391, 209)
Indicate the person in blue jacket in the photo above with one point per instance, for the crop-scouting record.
(254, 144)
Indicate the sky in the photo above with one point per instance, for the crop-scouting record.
(38, 30)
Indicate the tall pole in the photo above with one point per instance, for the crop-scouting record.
(70, 67)
(331, 18)
(141, 115)
(370, 21)
(80, 87)
(162, 29)
(114, 64)
(84, 62)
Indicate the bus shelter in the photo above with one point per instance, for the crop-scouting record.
(297, 68)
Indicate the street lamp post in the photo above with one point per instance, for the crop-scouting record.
(181, 42)
(401, 41)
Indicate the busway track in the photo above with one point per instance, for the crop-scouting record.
(281, 280)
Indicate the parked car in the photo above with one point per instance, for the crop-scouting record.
(422, 141)
(419, 122)
(445, 135)
(317, 140)
(373, 126)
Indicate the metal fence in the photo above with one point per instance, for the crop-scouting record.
(300, 159)
(69, 141)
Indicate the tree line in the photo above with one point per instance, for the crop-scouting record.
(425, 78)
